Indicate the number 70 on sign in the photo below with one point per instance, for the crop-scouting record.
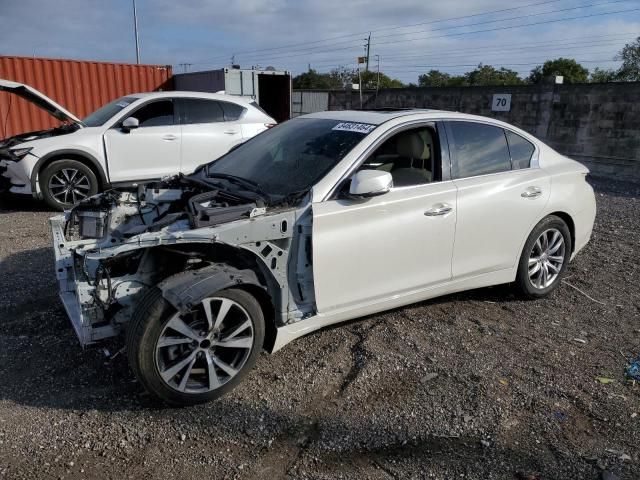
(501, 102)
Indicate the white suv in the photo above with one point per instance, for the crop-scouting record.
(140, 137)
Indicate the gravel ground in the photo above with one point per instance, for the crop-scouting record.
(475, 385)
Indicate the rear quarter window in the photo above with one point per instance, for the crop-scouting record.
(477, 149)
(521, 150)
(232, 111)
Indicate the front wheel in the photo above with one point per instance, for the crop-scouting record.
(196, 356)
(545, 258)
(65, 182)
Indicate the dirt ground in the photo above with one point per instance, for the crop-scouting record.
(472, 386)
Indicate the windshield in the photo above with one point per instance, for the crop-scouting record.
(100, 116)
(292, 157)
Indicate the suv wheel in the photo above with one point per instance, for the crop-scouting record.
(197, 356)
(65, 182)
(545, 258)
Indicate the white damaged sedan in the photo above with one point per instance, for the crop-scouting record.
(322, 219)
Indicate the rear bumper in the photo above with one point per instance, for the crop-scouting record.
(76, 293)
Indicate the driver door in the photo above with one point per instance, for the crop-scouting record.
(151, 151)
(371, 250)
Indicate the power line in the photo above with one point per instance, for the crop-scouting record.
(510, 27)
(313, 42)
(495, 65)
(501, 48)
(512, 18)
(314, 51)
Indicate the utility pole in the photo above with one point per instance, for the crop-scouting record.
(135, 28)
(368, 49)
(378, 81)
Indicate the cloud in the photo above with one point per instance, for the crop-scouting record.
(207, 32)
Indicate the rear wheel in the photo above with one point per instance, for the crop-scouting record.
(197, 356)
(545, 258)
(65, 182)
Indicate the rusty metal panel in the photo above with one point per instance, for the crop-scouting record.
(80, 86)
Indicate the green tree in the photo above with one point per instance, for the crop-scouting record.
(434, 78)
(314, 80)
(370, 80)
(342, 76)
(601, 75)
(630, 56)
(488, 75)
(568, 68)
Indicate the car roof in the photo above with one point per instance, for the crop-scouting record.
(372, 117)
(184, 94)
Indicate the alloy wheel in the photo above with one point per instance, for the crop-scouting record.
(200, 351)
(69, 186)
(546, 258)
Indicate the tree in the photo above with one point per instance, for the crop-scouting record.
(314, 80)
(568, 68)
(370, 80)
(488, 75)
(434, 78)
(601, 75)
(630, 56)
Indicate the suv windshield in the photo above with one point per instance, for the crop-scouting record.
(104, 113)
(292, 157)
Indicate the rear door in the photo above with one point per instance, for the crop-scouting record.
(500, 196)
(150, 151)
(209, 129)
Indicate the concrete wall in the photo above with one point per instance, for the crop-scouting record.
(597, 124)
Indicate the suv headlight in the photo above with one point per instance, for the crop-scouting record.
(20, 153)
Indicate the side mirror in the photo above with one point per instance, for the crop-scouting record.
(370, 183)
(130, 123)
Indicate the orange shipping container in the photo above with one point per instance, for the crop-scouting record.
(79, 86)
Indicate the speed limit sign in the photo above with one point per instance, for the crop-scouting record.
(501, 102)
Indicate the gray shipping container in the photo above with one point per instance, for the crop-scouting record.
(309, 101)
(271, 89)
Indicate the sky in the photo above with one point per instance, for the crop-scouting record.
(408, 37)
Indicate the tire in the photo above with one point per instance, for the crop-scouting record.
(65, 182)
(553, 257)
(156, 361)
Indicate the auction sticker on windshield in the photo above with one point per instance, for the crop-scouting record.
(354, 127)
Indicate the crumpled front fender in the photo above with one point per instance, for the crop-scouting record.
(187, 289)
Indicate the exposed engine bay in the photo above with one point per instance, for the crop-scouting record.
(186, 237)
(9, 142)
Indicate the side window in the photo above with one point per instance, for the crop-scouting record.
(232, 111)
(521, 150)
(195, 110)
(477, 149)
(155, 114)
(410, 156)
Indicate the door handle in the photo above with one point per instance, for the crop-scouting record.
(531, 192)
(170, 137)
(438, 209)
(230, 132)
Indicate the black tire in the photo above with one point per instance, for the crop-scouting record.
(57, 169)
(524, 284)
(147, 324)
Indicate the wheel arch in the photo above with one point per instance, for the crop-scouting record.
(185, 289)
(69, 154)
(568, 219)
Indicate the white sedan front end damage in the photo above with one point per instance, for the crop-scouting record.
(116, 246)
